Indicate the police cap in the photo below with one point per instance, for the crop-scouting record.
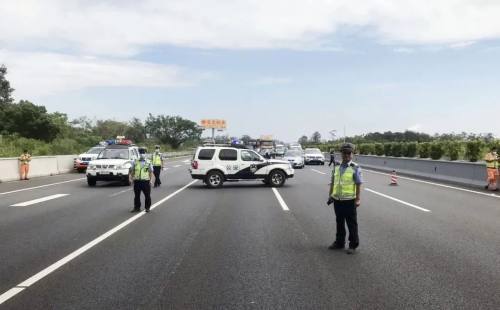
(347, 148)
(142, 150)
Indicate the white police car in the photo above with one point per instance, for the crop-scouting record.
(218, 164)
(112, 164)
(82, 161)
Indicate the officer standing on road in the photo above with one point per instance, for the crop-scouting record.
(142, 174)
(345, 192)
(157, 165)
(332, 157)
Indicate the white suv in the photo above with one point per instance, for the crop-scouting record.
(112, 164)
(217, 164)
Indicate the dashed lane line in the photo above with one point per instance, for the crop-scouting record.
(39, 200)
(50, 269)
(397, 200)
(317, 171)
(280, 200)
(41, 186)
(438, 184)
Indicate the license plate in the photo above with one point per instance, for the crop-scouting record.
(104, 172)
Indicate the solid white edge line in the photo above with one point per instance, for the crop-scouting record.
(280, 200)
(39, 200)
(176, 166)
(35, 187)
(317, 171)
(437, 184)
(398, 200)
(40, 275)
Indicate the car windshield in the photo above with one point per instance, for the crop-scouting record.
(114, 154)
(95, 150)
(313, 151)
(293, 153)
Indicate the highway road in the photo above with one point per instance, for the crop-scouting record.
(64, 245)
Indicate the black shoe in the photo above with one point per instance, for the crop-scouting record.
(351, 251)
(336, 246)
(486, 186)
(147, 210)
(135, 210)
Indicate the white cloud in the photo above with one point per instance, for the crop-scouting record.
(273, 80)
(415, 127)
(126, 27)
(404, 50)
(40, 74)
(460, 45)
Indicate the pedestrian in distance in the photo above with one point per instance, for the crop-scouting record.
(157, 165)
(332, 158)
(491, 160)
(345, 190)
(142, 174)
(24, 165)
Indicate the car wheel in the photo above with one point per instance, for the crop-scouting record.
(277, 178)
(91, 181)
(80, 170)
(214, 179)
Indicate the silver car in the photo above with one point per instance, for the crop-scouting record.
(295, 157)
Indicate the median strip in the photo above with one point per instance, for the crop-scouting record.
(50, 269)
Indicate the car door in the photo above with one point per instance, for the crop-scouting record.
(228, 160)
(250, 164)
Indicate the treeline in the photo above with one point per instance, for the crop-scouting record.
(24, 125)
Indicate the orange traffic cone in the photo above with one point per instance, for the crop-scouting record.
(394, 178)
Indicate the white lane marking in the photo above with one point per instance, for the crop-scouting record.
(187, 161)
(45, 272)
(280, 200)
(120, 192)
(35, 201)
(398, 200)
(317, 171)
(438, 184)
(35, 187)
(176, 166)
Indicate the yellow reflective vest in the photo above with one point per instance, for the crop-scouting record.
(156, 159)
(344, 187)
(141, 172)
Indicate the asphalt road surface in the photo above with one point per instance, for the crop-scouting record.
(64, 245)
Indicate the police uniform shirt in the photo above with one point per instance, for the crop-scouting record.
(358, 179)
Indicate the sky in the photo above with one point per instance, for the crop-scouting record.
(281, 67)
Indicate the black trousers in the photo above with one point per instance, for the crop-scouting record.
(156, 172)
(345, 212)
(145, 187)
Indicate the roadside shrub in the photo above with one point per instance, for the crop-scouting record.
(473, 150)
(436, 150)
(424, 149)
(387, 149)
(397, 149)
(453, 150)
(411, 149)
(366, 149)
(378, 149)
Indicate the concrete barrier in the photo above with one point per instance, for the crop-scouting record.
(457, 172)
(39, 166)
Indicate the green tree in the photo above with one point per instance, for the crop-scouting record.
(453, 149)
(379, 149)
(316, 137)
(136, 131)
(5, 89)
(473, 150)
(388, 149)
(173, 130)
(303, 140)
(246, 139)
(411, 149)
(397, 149)
(109, 129)
(30, 121)
(424, 149)
(436, 150)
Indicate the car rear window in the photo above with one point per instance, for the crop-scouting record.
(228, 154)
(206, 154)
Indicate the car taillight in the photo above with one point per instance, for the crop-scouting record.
(194, 164)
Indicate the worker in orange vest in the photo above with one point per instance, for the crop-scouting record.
(491, 160)
(24, 167)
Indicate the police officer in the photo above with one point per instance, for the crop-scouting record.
(157, 165)
(142, 174)
(332, 157)
(345, 192)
